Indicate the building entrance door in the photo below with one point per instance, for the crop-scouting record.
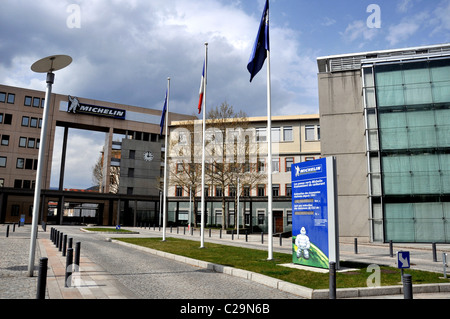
(278, 221)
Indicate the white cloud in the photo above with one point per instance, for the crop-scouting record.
(358, 30)
(125, 50)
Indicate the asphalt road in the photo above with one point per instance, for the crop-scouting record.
(147, 276)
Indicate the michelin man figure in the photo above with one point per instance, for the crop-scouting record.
(303, 244)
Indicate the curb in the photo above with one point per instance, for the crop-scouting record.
(285, 286)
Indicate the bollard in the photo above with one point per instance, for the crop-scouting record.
(77, 254)
(64, 249)
(391, 249)
(444, 262)
(232, 234)
(42, 278)
(7, 231)
(246, 235)
(57, 239)
(14, 227)
(220, 233)
(407, 287)
(69, 266)
(332, 280)
(262, 237)
(184, 230)
(69, 245)
(60, 241)
(281, 240)
(210, 233)
(51, 234)
(356, 246)
(433, 246)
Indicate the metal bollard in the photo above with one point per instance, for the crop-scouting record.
(7, 231)
(60, 241)
(220, 233)
(356, 246)
(77, 254)
(332, 294)
(210, 233)
(281, 240)
(14, 227)
(433, 246)
(391, 249)
(407, 287)
(232, 234)
(64, 248)
(42, 278)
(69, 245)
(57, 239)
(444, 262)
(262, 237)
(69, 267)
(246, 235)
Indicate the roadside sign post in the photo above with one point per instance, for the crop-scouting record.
(403, 260)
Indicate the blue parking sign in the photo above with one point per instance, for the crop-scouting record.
(403, 260)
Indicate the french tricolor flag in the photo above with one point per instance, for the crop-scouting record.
(202, 91)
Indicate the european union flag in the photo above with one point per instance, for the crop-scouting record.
(163, 115)
(261, 46)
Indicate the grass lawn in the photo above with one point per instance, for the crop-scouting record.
(108, 230)
(256, 261)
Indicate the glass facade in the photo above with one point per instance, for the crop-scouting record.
(407, 111)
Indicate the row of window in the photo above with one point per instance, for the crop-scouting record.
(21, 163)
(260, 189)
(28, 142)
(10, 98)
(27, 121)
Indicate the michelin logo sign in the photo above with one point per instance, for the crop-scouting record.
(80, 108)
(307, 170)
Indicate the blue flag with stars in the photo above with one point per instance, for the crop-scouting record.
(261, 46)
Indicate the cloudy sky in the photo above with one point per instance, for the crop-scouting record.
(124, 50)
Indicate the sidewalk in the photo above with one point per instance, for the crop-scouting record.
(92, 282)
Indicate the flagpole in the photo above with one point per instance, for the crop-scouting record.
(202, 235)
(166, 151)
(269, 159)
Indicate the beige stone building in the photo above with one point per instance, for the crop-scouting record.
(131, 153)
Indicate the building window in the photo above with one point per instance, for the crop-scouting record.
(289, 162)
(20, 163)
(5, 140)
(18, 183)
(276, 190)
(309, 133)
(275, 165)
(132, 154)
(246, 191)
(36, 102)
(26, 184)
(287, 134)
(11, 98)
(261, 217)
(2, 161)
(275, 134)
(179, 191)
(34, 122)
(8, 119)
(261, 165)
(29, 163)
(2, 182)
(25, 121)
(1, 118)
(219, 191)
(31, 143)
(261, 190)
(2, 97)
(27, 101)
(261, 134)
(23, 142)
(288, 190)
(232, 191)
(289, 216)
(129, 190)
(206, 191)
(130, 172)
(15, 209)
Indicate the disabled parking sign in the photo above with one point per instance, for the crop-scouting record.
(314, 213)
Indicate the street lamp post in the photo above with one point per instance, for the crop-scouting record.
(45, 65)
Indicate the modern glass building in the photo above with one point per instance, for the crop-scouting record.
(405, 103)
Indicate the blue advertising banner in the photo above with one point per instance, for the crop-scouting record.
(314, 230)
